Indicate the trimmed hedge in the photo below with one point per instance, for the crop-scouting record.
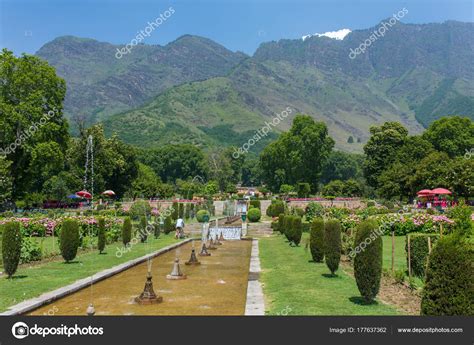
(127, 231)
(419, 252)
(316, 239)
(296, 230)
(287, 227)
(175, 211)
(11, 247)
(449, 279)
(254, 215)
(101, 235)
(69, 239)
(332, 244)
(368, 261)
(255, 203)
(181, 210)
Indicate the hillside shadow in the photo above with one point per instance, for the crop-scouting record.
(362, 301)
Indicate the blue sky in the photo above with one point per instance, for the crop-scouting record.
(25, 25)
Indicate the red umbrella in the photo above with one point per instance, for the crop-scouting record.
(440, 191)
(84, 194)
(425, 192)
(109, 193)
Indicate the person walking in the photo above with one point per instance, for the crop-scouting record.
(179, 228)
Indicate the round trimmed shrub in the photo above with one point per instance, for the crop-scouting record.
(200, 215)
(316, 239)
(298, 212)
(368, 261)
(101, 235)
(11, 247)
(140, 208)
(276, 207)
(69, 239)
(127, 231)
(255, 203)
(169, 225)
(269, 210)
(297, 231)
(419, 252)
(332, 244)
(313, 210)
(254, 215)
(449, 279)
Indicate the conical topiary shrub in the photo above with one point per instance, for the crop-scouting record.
(316, 239)
(281, 220)
(368, 259)
(127, 231)
(101, 235)
(297, 230)
(449, 278)
(142, 229)
(69, 239)
(175, 211)
(332, 244)
(169, 226)
(11, 247)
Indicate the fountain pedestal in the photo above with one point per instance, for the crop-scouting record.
(176, 272)
(193, 259)
(204, 251)
(211, 245)
(221, 237)
(148, 295)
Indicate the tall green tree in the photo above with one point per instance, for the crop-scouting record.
(342, 166)
(298, 155)
(381, 149)
(5, 181)
(31, 123)
(453, 135)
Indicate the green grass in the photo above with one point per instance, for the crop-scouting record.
(32, 281)
(294, 285)
(400, 255)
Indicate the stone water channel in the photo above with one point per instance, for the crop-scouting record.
(216, 287)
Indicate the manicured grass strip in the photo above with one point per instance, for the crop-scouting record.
(29, 282)
(400, 255)
(295, 286)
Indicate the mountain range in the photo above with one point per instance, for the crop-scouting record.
(194, 90)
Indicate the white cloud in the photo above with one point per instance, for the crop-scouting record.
(338, 35)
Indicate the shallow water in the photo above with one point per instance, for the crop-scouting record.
(216, 287)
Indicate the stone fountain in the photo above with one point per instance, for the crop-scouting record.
(148, 295)
(193, 259)
(176, 273)
(204, 251)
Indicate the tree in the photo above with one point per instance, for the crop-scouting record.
(381, 149)
(460, 176)
(220, 164)
(303, 189)
(146, 184)
(297, 155)
(115, 163)
(172, 162)
(453, 135)
(350, 140)
(394, 181)
(6, 181)
(342, 166)
(368, 261)
(334, 188)
(60, 186)
(11, 247)
(431, 172)
(34, 132)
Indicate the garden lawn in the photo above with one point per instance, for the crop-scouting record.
(295, 286)
(32, 281)
(400, 255)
